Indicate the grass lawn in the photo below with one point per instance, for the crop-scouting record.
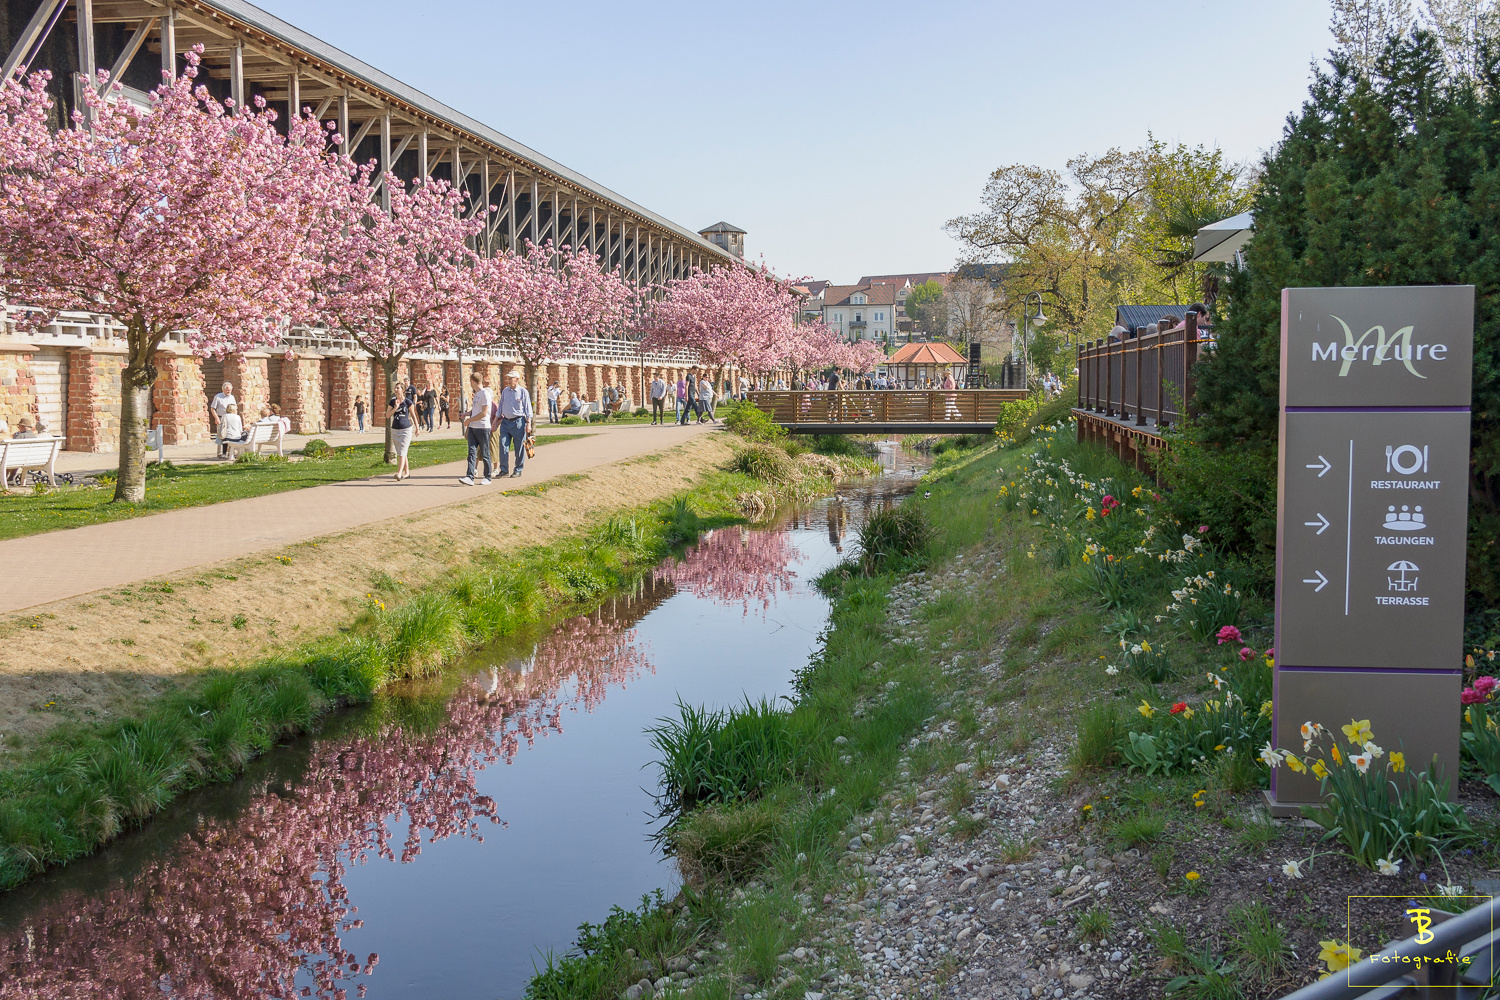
(169, 487)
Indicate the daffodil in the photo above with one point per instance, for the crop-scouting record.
(1361, 761)
(1398, 761)
(1270, 756)
(1338, 758)
(1292, 869)
(1295, 764)
(1145, 709)
(1338, 956)
(1373, 750)
(1146, 645)
(1267, 707)
(1358, 731)
(1318, 770)
(1388, 866)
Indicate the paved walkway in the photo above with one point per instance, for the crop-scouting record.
(61, 564)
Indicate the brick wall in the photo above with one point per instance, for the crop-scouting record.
(302, 393)
(93, 400)
(342, 381)
(17, 386)
(179, 405)
(250, 376)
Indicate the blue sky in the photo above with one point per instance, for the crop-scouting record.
(840, 135)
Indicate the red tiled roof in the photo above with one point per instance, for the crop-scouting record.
(927, 354)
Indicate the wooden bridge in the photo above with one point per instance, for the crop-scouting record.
(887, 411)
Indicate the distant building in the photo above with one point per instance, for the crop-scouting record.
(921, 364)
(731, 238)
(861, 312)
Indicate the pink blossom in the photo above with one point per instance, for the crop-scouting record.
(1246, 653)
(1486, 685)
(1470, 697)
(1202, 529)
(1229, 634)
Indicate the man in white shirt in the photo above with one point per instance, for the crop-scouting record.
(216, 409)
(477, 430)
(554, 393)
(658, 400)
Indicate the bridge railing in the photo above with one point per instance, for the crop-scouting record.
(886, 406)
(1146, 378)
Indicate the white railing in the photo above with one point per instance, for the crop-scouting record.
(84, 329)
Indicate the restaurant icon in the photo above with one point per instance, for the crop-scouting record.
(1405, 519)
(1401, 582)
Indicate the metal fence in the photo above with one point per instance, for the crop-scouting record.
(1457, 962)
(1145, 378)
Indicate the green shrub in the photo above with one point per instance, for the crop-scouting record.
(1139, 828)
(752, 423)
(837, 444)
(900, 533)
(641, 411)
(316, 448)
(571, 420)
(764, 462)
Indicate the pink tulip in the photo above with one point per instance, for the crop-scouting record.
(1229, 634)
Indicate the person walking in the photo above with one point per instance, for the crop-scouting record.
(429, 409)
(690, 400)
(359, 412)
(682, 390)
(400, 411)
(554, 393)
(216, 409)
(515, 421)
(658, 400)
(477, 430)
(706, 400)
(444, 410)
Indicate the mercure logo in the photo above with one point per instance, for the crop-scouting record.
(1394, 347)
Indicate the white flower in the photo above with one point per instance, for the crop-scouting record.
(1217, 680)
(1361, 761)
(1450, 890)
(1388, 866)
(1136, 650)
(1270, 756)
(1373, 750)
(1111, 670)
(1292, 869)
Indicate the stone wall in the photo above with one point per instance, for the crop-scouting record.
(178, 402)
(302, 400)
(93, 399)
(250, 376)
(17, 384)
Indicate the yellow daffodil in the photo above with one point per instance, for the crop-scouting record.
(1145, 709)
(1146, 645)
(1398, 761)
(1358, 731)
(1295, 764)
(1338, 758)
(1338, 955)
(1319, 771)
(1267, 707)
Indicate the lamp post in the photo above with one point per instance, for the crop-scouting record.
(1027, 319)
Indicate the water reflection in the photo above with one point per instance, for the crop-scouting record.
(253, 900)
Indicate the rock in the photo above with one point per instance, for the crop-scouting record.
(662, 983)
(639, 990)
(855, 844)
(928, 866)
(968, 883)
(812, 995)
(891, 954)
(1080, 981)
(964, 768)
(841, 740)
(1115, 956)
(800, 954)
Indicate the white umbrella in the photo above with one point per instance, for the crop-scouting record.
(1218, 242)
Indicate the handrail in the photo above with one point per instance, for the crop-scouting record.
(885, 406)
(1388, 973)
(1146, 378)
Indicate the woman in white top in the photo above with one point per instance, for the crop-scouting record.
(233, 429)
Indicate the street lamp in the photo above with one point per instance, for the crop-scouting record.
(1028, 318)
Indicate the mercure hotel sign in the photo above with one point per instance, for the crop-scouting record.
(1372, 515)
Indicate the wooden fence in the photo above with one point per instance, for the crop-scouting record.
(1144, 379)
(851, 412)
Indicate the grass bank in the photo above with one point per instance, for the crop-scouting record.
(169, 487)
(83, 782)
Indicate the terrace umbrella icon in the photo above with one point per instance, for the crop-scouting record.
(1400, 582)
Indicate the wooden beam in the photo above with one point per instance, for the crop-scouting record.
(27, 39)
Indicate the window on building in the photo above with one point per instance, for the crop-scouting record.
(880, 317)
(859, 317)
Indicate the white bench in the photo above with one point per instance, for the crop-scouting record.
(262, 433)
(29, 453)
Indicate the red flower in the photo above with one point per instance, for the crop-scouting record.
(1181, 706)
(1229, 634)
(1470, 697)
(1246, 653)
(1485, 686)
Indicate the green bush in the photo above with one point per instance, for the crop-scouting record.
(316, 448)
(751, 422)
(892, 536)
(572, 420)
(712, 756)
(764, 462)
(641, 411)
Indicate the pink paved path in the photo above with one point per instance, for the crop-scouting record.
(60, 564)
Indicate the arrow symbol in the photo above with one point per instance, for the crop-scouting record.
(1321, 524)
(1320, 580)
(1322, 464)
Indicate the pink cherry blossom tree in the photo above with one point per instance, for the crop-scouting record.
(189, 215)
(540, 304)
(403, 281)
(733, 314)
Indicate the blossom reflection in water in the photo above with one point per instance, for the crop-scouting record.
(257, 907)
(735, 566)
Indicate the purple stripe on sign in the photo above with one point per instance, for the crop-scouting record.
(1372, 670)
(1376, 409)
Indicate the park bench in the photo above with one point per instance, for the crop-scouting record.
(29, 453)
(262, 433)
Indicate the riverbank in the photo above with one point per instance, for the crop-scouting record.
(378, 618)
(956, 805)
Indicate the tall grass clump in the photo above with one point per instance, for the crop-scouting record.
(422, 633)
(764, 462)
(725, 756)
(751, 423)
(1100, 730)
(895, 535)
